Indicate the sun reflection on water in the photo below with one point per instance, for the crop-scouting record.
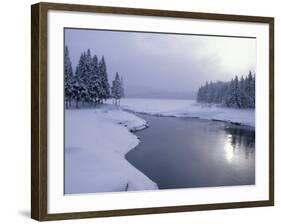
(229, 148)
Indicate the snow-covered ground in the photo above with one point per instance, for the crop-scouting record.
(96, 141)
(189, 108)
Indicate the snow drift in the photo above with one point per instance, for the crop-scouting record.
(96, 141)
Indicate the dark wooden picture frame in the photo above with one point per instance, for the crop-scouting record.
(39, 105)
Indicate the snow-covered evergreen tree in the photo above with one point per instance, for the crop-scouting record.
(243, 95)
(249, 88)
(235, 97)
(253, 91)
(94, 84)
(105, 91)
(242, 83)
(86, 76)
(116, 90)
(200, 94)
(80, 80)
(68, 76)
(122, 88)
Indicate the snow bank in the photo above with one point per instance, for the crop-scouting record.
(128, 120)
(96, 141)
(189, 108)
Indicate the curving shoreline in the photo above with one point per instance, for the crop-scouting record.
(96, 142)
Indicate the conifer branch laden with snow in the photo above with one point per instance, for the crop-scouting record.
(235, 94)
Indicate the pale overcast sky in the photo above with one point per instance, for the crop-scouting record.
(165, 65)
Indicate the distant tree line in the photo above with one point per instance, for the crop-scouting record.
(238, 93)
(89, 85)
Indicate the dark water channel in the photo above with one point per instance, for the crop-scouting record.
(188, 152)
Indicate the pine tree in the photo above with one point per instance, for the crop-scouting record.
(122, 88)
(68, 76)
(105, 91)
(80, 80)
(94, 82)
(250, 90)
(116, 88)
(199, 94)
(86, 76)
(235, 97)
(253, 91)
(242, 83)
(76, 90)
(243, 95)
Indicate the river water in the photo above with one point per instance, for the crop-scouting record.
(189, 152)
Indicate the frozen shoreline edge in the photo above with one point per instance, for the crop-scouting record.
(186, 116)
(132, 130)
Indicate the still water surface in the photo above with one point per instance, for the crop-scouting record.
(187, 152)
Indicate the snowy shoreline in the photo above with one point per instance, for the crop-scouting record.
(190, 109)
(96, 142)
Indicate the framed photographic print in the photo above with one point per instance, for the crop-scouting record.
(141, 111)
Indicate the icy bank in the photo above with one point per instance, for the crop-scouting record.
(189, 108)
(96, 141)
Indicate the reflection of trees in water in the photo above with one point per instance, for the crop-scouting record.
(242, 139)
